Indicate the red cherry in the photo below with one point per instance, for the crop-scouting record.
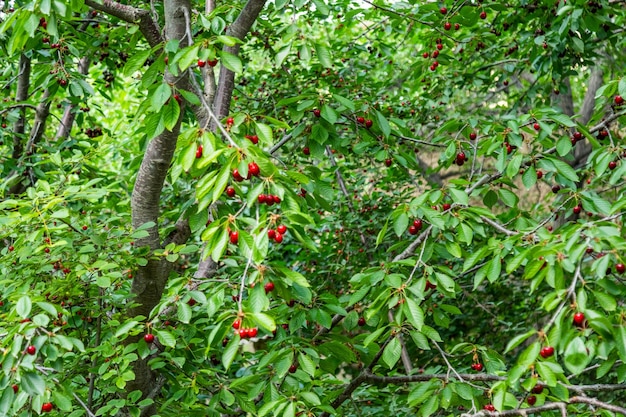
(271, 234)
(230, 121)
(282, 229)
(579, 319)
(31, 350)
(447, 26)
(148, 337)
(578, 136)
(417, 223)
(446, 207)
(556, 188)
(191, 302)
(253, 169)
(212, 62)
(413, 230)
(425, 54)
(489, 407)
(472, 136)
(531, 400)
(546, 352)
(477, 367)
(361, 321)
(306, 151)
(457, 26)
(612, 165)
(230, 191)
(360, 119)
(261, 198)
(619, 100)
(539, 174)
(293, 368)
(236, 324)
(234, 237)
(536, 126)
(278, 238)
(243, 333)
(276, 199)
(46, 407)
(237, 176)
(368, 123)
(388, 162)
(15, 388)
(483, 15)
(269, 287)
(430, 286)
(620, 268)
(253, 332)
(201, 63)
(537, 389)
(317, 112)
(199, 150)
(443, 10)
(577, 209)
(435, 55)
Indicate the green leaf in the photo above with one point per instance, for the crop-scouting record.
(323, 54)
(564, 169)
(232, 62)
(188, 56)
(264, 132)
(561, 119)
(576, 357)
(414, 313)
(160, 96)
(391, 353)
(620, 342)
(23, 306)
(165, 338)
(171, 112)
(517, 340)
(329, 114)
(32, 383)
(383, 124)
(401, 223)
(126, 327)
(135, 62)
(61, 401)
(183, 312)
(508, 197)
(230, 352)
(263, 320)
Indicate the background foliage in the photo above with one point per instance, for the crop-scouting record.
(396, 208)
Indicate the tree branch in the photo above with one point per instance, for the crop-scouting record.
(239, 29)
(23, 84)
(129, 14)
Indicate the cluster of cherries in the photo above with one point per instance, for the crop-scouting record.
(365, 122)
(268, 199)
(277, 235)
(244, 333)
(253, 171)
(415, 227)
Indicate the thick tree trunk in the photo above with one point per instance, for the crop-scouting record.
(150, 280)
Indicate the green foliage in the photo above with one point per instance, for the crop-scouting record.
(442, 223)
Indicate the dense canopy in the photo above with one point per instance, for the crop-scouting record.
(312, 208)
